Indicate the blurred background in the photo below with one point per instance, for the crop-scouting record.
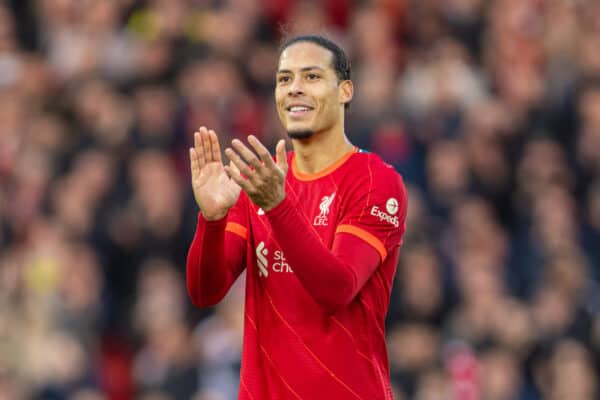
(490, 109)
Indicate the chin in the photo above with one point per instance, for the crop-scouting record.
(300, 133)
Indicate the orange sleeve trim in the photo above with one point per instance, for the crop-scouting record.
(238, 229)
(366, 236)
(302, 176)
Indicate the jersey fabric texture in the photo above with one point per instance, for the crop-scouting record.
(314, 323)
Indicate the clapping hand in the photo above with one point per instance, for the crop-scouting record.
(262, 179)
(214, 191)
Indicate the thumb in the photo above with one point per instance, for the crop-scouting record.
(281, 157)
(234, 167)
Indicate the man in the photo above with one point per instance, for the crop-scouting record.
(319, 240)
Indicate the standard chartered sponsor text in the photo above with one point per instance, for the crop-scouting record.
(278, 263)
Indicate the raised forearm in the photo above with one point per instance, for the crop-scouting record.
(214, 261)
(333, 277)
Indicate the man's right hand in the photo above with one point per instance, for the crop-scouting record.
(214, 191)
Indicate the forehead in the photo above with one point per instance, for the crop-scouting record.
(305, 54)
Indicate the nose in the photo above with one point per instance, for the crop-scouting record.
(296, 87)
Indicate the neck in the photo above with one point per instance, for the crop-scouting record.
(319, 151)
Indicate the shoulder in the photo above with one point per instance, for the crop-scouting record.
(378, 183)
(369, 168)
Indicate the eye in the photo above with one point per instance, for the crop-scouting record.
(312, 76)
(283, 79)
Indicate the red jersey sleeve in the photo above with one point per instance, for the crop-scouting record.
(375, 209)
(370, 230)
(339, 274)
(216, 256)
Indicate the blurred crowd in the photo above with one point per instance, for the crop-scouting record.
(490, 109)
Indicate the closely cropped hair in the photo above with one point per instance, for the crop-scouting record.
(341, 65)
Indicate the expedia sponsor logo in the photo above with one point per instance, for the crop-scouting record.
(383, 216)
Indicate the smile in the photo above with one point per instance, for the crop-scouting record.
(298, 110)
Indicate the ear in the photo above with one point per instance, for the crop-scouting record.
(346, 91)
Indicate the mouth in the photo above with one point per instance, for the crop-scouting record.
(298, 110)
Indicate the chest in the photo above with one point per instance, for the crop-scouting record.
(321, 205)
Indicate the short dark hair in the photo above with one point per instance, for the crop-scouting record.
(341, 65)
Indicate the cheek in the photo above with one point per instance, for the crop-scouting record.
(279, 96)
(277, 100)
(279, 108)
(331, 105)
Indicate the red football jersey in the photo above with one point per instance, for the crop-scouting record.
(296, 345)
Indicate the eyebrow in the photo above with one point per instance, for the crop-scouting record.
(287, 71)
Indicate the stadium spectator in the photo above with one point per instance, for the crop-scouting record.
(495, 103)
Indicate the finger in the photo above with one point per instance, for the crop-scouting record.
(242, 167)
(262, 151)
(234, 174)
(232, 166)
(215, 147)
(195, 165)
(247, 155)
(281, 156)
(199, 148)
(198, 138)
(206, 145)
(197, 141)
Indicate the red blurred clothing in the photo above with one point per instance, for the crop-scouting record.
(320, 268)
(337, 11)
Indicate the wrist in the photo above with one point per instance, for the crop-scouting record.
(214, 216)
(282, 207)
(275, 204)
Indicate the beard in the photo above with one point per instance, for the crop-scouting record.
(300, 134)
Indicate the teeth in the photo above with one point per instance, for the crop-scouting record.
(298, 108)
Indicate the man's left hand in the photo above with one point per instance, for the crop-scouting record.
(260, 177)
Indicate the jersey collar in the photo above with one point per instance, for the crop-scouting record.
(302, 176)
